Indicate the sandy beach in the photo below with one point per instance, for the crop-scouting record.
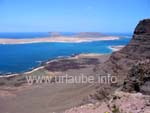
(55, 39)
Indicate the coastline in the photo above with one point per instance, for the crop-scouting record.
(41, 66)
(61, 39)
(116, 48)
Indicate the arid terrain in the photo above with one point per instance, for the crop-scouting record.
(130, 94)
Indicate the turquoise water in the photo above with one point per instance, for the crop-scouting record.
(23, 57)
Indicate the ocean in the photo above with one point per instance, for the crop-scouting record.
(18, 58)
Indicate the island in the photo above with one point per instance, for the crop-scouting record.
(77, 38)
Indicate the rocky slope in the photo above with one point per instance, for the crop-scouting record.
(138, 78)
(120, 102)
(132, 67)
(137, 50)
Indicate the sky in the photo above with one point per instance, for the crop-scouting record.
(72, 15)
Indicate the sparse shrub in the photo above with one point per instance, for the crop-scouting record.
(115, 109)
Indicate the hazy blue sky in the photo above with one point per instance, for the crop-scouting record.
(72, 15)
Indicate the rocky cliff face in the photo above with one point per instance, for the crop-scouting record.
(138, 78)
(138, 49)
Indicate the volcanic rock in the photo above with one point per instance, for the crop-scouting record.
(138, 49)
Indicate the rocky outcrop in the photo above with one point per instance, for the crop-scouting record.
(143, 27)
(120, 102)
(138, 49)
(138, 78)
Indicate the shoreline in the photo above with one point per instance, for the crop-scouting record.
(116, 48)
(61, 39)
(41, 66)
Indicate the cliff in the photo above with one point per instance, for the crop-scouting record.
(121, 63)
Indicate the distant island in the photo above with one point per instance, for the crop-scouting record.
(57, 37)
